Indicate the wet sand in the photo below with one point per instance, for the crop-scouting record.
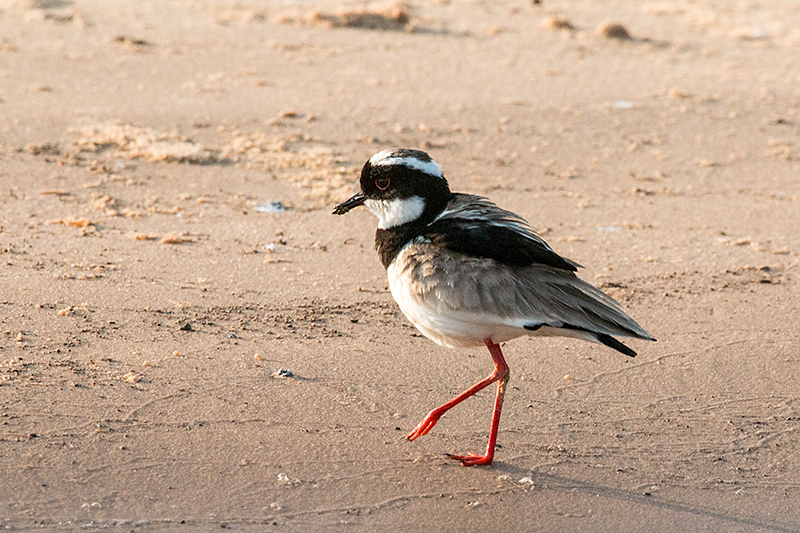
(167, 173)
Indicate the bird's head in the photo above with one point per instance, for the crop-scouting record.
(399, 186)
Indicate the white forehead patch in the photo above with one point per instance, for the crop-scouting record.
(396, 212)
(390, 157)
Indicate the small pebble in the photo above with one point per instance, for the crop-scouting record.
(557, 23)
(622, 104)
(612, 30)
(274, 206)
(286, 480)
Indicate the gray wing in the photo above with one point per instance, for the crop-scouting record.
(525, 297)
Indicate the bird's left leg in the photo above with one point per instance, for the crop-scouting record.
(500, 373)
(501, 368)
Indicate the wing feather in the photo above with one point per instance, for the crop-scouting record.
(454, 285)
(474, 226)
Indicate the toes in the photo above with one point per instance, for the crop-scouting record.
(472, 459)
(423, 428)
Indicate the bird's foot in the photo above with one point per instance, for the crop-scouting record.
(472, 459)
(425, 426)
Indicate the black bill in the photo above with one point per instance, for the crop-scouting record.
(356, 200)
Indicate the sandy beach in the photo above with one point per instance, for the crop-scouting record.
(190, 340)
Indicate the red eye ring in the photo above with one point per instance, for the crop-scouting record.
(383, 183)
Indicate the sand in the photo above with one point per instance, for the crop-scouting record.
(191, 341)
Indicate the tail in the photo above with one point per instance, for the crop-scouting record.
(584, 311)
(611, 342)
(583, 333)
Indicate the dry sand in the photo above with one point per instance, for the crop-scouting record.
(152, 287)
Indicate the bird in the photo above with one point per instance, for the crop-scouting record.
(467, 273)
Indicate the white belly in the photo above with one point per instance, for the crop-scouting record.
(444, 325)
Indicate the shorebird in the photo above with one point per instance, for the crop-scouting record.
(468, 273)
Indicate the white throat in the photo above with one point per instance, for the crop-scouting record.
(396, 212)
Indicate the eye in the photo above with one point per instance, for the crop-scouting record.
(382, 183)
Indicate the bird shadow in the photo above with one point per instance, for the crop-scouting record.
(559, 483)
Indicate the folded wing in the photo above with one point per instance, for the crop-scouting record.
(476, 227)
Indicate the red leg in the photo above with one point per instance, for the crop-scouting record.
(500, 373)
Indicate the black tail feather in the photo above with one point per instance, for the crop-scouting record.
(602, 338)
(611, 342)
